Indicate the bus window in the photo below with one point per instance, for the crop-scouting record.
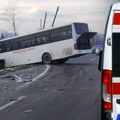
(81, 28)
(28, 43)
(38, 41)
(116, 54)
(15, 46)
(55, 35)
(8, 48)
(33, 42)
(1, 49)
(22, 44)
(66, 32)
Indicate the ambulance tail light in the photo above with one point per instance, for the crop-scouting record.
(107, 89)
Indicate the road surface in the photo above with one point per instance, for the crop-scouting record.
(65, 92)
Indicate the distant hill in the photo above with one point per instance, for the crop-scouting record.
(4, 34)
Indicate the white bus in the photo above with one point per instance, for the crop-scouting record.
(52, 45)
(111, 66)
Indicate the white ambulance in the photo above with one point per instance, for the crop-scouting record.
(110, 69)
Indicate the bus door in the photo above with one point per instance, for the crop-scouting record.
(83, 42)
(116, 66)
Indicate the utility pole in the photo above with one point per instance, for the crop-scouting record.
(44, 20)
(40, 24)
(55, 16)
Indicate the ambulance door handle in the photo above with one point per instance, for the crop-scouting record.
(118, 101)
(109, 42)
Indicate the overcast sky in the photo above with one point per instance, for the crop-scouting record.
(93, 12)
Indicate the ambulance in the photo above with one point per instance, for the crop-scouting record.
(110, 66)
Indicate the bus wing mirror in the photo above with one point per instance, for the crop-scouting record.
(100, 61)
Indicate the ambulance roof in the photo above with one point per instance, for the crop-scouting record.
(116, 6)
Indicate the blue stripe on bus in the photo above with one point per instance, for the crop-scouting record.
(118, 117)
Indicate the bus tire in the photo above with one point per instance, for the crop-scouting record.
(46, 58)
(2, 64)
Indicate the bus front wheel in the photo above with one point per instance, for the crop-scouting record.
(46, 58)
(2, 64)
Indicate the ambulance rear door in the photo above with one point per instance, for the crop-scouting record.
(116, 65)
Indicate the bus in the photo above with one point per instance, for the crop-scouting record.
(56, 44)
(109, 65)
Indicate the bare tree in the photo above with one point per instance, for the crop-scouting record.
(10, 14)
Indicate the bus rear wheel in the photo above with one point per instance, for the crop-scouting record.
(46, 58)
(2, 64)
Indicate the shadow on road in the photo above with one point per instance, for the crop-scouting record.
(86, 63)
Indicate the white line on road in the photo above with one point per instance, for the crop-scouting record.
(41, 74)
(75, 68)
(33, 80)
(18, 79)
(93, 59)
(12, 102)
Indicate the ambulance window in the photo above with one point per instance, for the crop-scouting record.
(116, 55)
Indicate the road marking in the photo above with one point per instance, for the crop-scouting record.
(12, 102)
(34, 79)
(75, 68)
(93, 59)
(18, 79)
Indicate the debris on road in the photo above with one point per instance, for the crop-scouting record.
(94, 101)
(13, 99)
(27, 80)
(6, 87)
(30, 110)
(90, 79)
(61, 89)
(11, 79)
(27, 111)
(46, 89)
(19, 81)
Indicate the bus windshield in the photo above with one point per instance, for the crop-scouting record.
(81, 28)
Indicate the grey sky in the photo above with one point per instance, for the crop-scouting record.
(93, 12)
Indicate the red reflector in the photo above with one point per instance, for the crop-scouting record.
(116, 88)
(116, 20)
(107, 105)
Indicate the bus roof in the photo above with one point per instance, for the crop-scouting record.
(6, 39)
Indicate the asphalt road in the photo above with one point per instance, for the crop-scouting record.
(65, 92)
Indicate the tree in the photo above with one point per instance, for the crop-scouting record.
(10, 14)
(2, 36)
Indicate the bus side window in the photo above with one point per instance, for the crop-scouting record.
(1, 50)
(66, 33)
(33, 42)
(55, 35)
(22, 44)
(38, 41)
(28, 43)
(15, 46)
(8, 47)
